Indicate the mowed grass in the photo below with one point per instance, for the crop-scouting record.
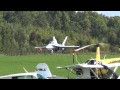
(15, 64)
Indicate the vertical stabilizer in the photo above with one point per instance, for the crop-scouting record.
(64, 40)
(43, 70)
(97, 57)
(54, 40)
(98, 53)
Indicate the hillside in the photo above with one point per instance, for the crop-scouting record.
(21, 31)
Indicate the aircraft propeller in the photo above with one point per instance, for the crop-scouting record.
(76, 50)
(97, 44)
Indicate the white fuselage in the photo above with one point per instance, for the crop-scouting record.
(32, 75)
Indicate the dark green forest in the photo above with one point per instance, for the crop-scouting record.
(21, 31)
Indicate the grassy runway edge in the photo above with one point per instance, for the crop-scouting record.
(15, 64)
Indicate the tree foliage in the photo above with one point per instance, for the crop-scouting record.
(21, 31)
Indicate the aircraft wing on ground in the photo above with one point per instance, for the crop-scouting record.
(89, 66)
(81, 66)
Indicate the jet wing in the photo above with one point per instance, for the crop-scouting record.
(62, 46)
(40, 47)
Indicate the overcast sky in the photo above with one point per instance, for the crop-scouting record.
(110, 13)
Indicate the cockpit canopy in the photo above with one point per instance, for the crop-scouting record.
(92, 62)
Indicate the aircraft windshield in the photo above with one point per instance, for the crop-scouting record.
(24, 77)
(51, 42)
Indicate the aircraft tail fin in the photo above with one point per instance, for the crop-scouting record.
(64, 40)
(43, 70)
(98, 53)
(54, 39)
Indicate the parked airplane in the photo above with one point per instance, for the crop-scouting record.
(30, 75)
(94, 68)
(42, 71)
(104, 61)
(55, 46)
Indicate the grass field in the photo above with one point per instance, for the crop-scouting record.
(15, 64)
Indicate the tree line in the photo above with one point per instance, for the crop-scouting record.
(21, 31)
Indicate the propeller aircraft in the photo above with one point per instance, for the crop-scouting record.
(105, 61)
(42, 71)
(94, 68)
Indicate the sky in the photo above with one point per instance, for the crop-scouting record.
(109, 13)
